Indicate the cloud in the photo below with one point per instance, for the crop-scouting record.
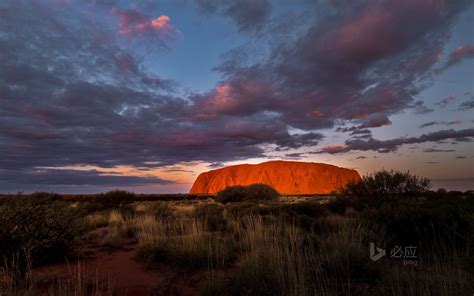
(74, 178)
(216, 165)
(459, 54)
(89, 100)
(466, 105)
(248, 15)
(448, 123)
(377, 121)
(357, 65)
(79, 108)
(237, 97)
(294, 155)
(431, 123)
(135, 24)
(445, 101)
(420, 108)
(385, 146)
(434, 150)
(334, 149)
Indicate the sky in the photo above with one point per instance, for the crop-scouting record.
(145, 95)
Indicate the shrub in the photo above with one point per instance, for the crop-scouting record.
(449, 221)
(255, 192)
(213, 287)
(212, 215)
(304, 214)
(110, 200)
(337, 205)
(189, 251)
(129, 231)
(256, 276)
(384, 185)
(112, 241)
(97, 220)
(275, 259)
(40, 230)
(161, 210)
(241, 209)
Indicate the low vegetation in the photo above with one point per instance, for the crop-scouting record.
(36, 230)
(254, 192)
(246, 241)
(382, 186)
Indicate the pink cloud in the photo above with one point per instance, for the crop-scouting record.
(334, 148)
(375, 31)
(317, 113)
(233, 98)
(460, 53)
(133, 23)
(379, 99)
(377, 122)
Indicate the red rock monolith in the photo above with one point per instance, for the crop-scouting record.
(287, 177)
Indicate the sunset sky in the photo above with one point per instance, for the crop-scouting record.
(145, 95)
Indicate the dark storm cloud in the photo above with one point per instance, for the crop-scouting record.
(68, 99)
(385, 146)
(357, 64)
(71, 93)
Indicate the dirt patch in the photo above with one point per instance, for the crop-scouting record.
(128, 276)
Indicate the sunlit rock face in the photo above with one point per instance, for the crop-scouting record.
(287, 177)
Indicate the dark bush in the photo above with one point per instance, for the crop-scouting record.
(213, 287)
(212, 215)
(173, 197)
(305, 214)
(307, 208)
(337, 205)
(110, 200)
(447, 221)
(36, 230)
(373, 190)
(254, 192)
(232, 194)
(241, 209)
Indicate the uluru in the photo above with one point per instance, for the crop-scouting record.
(287, 177)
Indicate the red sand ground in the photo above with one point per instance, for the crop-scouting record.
(128, 276)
